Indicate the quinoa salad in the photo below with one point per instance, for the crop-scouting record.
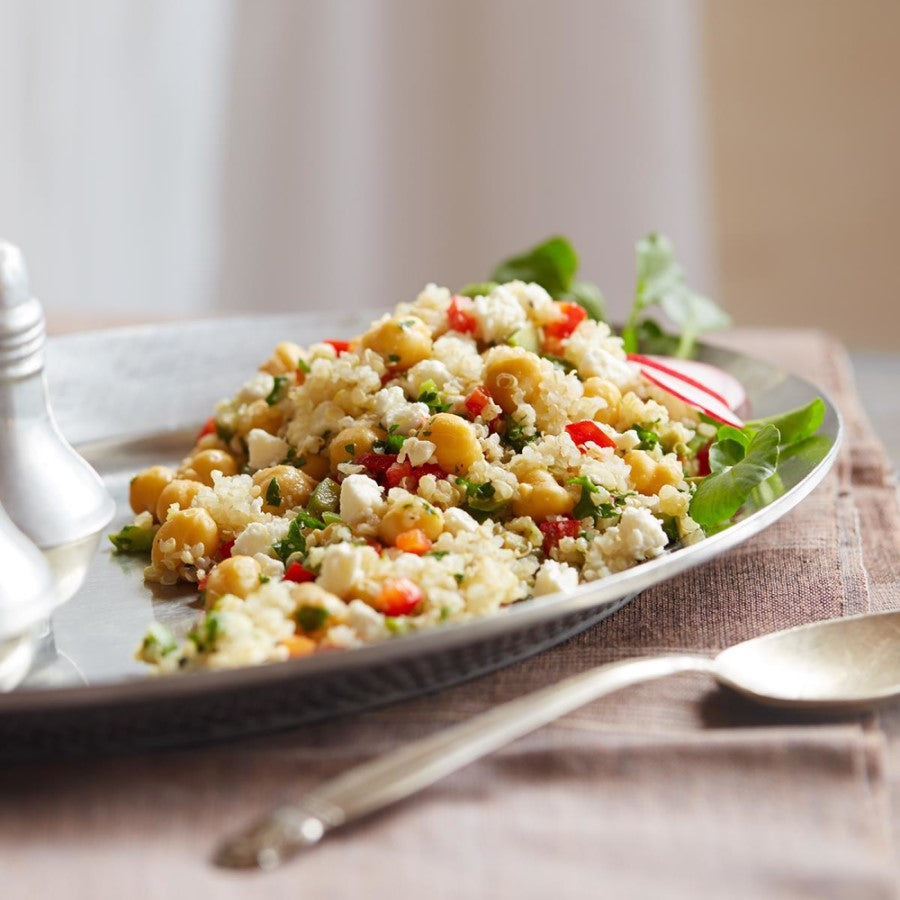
(463, 454)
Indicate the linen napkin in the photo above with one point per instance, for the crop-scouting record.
(669, 789)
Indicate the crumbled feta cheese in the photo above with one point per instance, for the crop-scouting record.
(555, 576)
(258, 537)
(341, 568)
(365, 621)
(257, 388)
(395, 411)
(265, 449)
(498, 315)
(457, 520)
(417, 452)
(361, 499)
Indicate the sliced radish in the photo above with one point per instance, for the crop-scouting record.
(715, 380)
(681, 385)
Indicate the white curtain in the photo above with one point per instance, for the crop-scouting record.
(163, 158)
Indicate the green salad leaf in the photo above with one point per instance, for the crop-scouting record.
(660, 283)
(720, 495)
(797, 424)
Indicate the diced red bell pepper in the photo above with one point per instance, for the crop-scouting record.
(477, 401)
(208, 428)
(398, 597)
(377, 463)
(339, 346)
(460, 318)
(400, 471)
(413, 541)
(572, 315)
(201, 583)
(299, 574)
(225, 549)
(588, 431)
(556, 529)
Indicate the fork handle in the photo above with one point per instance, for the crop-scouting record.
(378, 783)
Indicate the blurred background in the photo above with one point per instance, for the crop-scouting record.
(164, 159)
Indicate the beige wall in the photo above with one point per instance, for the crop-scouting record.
(804, 117)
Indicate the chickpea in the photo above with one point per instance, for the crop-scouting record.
(409, 514)
(259, 414)
(209, 442)
(283, 359)
(316, 467)
(401, 341)
(238, 575)
(294, 487)
(509, 370)
(191, 529)
(298, 645)
(146, 486)
(456, 442)
(600, 387)
(349, 443)
(181, 492)
(200, 466)
(541, 497)
(648, 475)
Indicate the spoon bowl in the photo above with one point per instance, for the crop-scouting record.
(835, 665)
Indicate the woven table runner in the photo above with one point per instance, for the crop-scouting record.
(668, 789)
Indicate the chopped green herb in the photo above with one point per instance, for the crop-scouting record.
(223, 433)
(392, 443)
(478, 289)
(273, 493)
(293, 542)
(264, 579)
(480, 496)
(459, 576)
(406, 323)
(158, 642)
(279, 389)
(396, 625)
(134, 539)
(351, 449)
(515, 436)
(429, 395)
(393, 357)
(585, 508)
(310, 618)
(303, 366)
(437, 554)
(292, 459)
(206, 632)
(445, 613)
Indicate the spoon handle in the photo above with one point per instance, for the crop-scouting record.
(373, 785)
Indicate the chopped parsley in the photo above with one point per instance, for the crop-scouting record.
(205, 633)
(292, 459)
(393, 358)
(429, 395)
(585, 508)
(273, 493)
(437, 554)
(391, 443)
(303, 366)
(459, 576)
(279, 389)
(293, 542)
(406, 323)
(516, 437)
(309, 521)
(264, 579)
(351, 449)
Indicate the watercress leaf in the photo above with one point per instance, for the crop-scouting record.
(724, 454)
(652, 339)
(718, 497)
(730, 433)
(656, 267)
(551, 264)
(796, 424)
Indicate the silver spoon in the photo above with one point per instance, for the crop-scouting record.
(839, 664)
